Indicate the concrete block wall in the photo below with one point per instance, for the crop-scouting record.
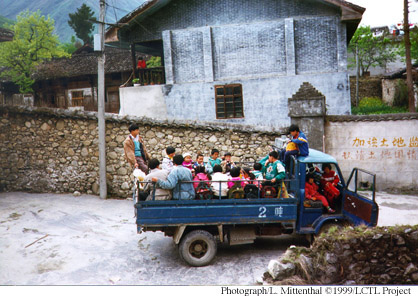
(182, 14)
(384, 144)
(316, 45)
(282, 47)
(249, 50)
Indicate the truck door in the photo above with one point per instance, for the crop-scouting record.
(359, 203)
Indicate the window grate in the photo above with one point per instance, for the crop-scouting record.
(229, 103)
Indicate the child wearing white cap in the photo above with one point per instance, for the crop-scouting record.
(188, 163)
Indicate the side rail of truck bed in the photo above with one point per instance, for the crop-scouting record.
(224, 211)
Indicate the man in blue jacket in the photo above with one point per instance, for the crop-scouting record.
(176, 178)
(300, 140)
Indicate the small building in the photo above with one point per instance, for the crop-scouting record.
(239, 61)
(394, 86)
(72, 82)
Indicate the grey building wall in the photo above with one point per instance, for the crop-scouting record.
(182, 14)
(269, 47)
(265, 99)
(316, 45)
(249, 50)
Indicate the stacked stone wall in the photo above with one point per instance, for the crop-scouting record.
(47, 150)
(352, 256)
(368, 87)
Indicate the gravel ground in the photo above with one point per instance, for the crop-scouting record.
(57, 239)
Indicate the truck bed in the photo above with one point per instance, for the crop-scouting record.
(215, 211)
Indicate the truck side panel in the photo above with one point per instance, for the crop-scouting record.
(165, 213)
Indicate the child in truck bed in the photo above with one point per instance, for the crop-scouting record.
(200, 175)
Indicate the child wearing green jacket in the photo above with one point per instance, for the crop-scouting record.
(272, 168)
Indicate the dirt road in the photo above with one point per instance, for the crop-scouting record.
(50, 239)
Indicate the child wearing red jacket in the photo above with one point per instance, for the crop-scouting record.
(311, 192)
(328, 181)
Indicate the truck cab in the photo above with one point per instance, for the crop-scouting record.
(197, 226)
(356, 204)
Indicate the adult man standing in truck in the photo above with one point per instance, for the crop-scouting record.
(135, 151)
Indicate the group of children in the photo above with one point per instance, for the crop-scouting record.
(328, 181)
(217, 175)
(221, 175)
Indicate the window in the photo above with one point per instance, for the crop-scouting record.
(229, 101)
(77, 98)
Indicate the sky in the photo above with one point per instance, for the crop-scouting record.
(385, 12)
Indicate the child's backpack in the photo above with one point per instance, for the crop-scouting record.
(236, 191)
(268, 192)
(251, 191)
(203, 191)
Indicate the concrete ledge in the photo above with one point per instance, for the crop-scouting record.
(375, 117)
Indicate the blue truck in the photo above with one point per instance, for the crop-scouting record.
(196, 226)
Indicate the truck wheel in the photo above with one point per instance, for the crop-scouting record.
(198, 248)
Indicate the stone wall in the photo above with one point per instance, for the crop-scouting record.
(384, 144)
(51, 150)
(368, 87)
(351, 256)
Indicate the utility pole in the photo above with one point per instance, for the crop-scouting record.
(357, 75)
(409, 82)
(101, 104)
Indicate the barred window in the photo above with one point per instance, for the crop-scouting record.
(229, 102)
(77, 98)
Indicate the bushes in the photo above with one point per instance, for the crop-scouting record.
(374, 105)
(401, 94)
(371, 102)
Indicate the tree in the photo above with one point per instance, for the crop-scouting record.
(414, 44)
(372, 51)
(154, 62)
(33, 43)
(81, 23)
(407, 41)
(71, 47)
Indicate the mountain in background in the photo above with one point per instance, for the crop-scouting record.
(59, 10)
(4, 22)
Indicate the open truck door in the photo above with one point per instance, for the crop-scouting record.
(359, 203)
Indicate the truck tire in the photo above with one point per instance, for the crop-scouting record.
(197, 248)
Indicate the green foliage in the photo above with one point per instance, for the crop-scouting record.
(372, 51)
(413, 36)
(33, 43)
(401, 94)
(81, 24)
(374, 105)
(371, 102)
(154, 62)
(70, 47)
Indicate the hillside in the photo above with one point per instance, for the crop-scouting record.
(4, 22)
(59, 10)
